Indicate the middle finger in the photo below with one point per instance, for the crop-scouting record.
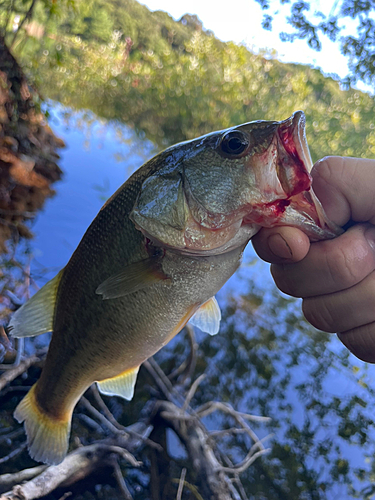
(345, 310)
(331, 265)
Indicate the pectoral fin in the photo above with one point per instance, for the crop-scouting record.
(132, 278)
(37, 314)
(208, 317)
(122, 385)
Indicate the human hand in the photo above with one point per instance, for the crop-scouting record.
(335, 278)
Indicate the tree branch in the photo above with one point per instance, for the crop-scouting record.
(9, 375)
(76, 466)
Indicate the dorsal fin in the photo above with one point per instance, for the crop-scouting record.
(208, 317)
(122, 385)
(37, 314)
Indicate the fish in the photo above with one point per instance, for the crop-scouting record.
(153, 259)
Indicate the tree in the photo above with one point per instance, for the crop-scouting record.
(17, 14)
(311, 25)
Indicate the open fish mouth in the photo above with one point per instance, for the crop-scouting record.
(294, 203)
(294, 128)
(304, 209)
(294, 160)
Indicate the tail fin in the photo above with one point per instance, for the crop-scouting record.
(47, 437)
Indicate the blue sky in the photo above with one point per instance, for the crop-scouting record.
(240, 21)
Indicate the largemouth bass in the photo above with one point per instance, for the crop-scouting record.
(153, 259)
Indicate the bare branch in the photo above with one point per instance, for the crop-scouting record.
(8, 480)
(67, 494)
(181, 484)
(158, 380)
(226, 432)
(13, 453)
(124, 454)
(104, 408)
(177, 415)
(89, 422)
(195, 438)
(11, 435)
(212, 406)
(192, 391)
(120, 481)
(102, 419)
(237, 469)
(16, 371)
(76, 466)
(118, 430)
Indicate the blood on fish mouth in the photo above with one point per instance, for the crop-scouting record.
(297, 205)
(291, 134)
(267, 211)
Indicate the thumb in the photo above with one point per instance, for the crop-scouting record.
(345, 188)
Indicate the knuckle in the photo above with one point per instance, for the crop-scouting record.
(361, 342)
(347, 265)
(329, 168)
(318, 313)
(281, 276)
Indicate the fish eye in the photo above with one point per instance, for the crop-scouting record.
(234, 144)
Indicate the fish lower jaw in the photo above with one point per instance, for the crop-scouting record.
(240, 238)
(302, 211)
(266, 214)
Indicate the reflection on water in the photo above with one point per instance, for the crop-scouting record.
(266, 360)
(99, 157)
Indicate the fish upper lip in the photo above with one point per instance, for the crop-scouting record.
(299, 133)
(295, 166)
(295, 126)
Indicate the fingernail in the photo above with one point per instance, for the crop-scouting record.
(370, 237)
(279, 247)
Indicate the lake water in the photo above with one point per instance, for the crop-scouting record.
(265, 360)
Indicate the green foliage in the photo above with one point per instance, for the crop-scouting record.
(17, 14)
(311, 25)
(173, 81)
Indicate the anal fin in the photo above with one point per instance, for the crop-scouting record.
(208, 317)
(122, 385)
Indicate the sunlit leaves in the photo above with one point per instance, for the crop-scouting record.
(174, 82)
(358, 44)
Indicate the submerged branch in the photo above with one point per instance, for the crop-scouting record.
(213, 476)
(76, 466)
(11, 374)
(121, 481)
(210, 473)
(13, 453)
(9, 480)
